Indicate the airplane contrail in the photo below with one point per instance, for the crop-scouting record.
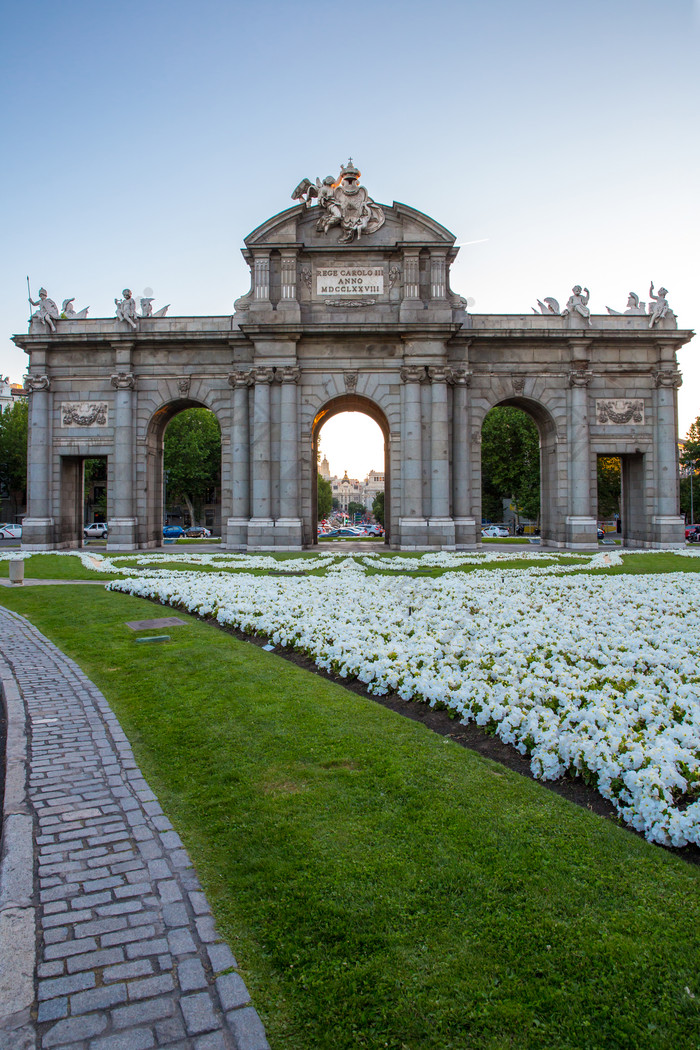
(481, 240)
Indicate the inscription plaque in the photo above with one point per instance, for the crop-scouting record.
(350, 280)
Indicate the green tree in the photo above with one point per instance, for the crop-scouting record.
(510, 463)
(325, 498)
(609, 475)
(355, 508)
(378, 508)
(13, 453)
(95, 474)
(192, 458)
(689, 465)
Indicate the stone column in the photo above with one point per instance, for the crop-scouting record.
(440, 526)
(122, 522)
(465, 523)
(261, 527)
(288, 274)
(38, 525)
(667, 525)
(237, 525)
(261, 278)
(412, 524)
(288, 525)
(581, 526)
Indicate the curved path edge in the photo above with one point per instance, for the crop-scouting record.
(107, 941)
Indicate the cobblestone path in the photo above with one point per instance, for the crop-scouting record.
(126, 955)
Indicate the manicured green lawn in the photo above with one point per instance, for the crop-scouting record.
(57, 567)
(381, 886)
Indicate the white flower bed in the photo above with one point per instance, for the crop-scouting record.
(597, 675)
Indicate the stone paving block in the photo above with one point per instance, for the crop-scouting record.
(52, 1009)
(191, 975)
(139, 968)
(154, 947)
(57, 986)
(95, 960)
(175, 915)
(66, 948)
(149, 987)
(198, 1012)
(170, 1033)
(206, 929)
(143, 1013)
(211, 1041)
(70, 1032)
(221, 957)
(97, 999)
(141, 933)
(136, 1039)
(247, 1029)
(180, 941)
(50, 969)
(232, 991)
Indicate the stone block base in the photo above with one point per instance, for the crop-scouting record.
(441, 533)
(284, 534)
(38, 534)
(581, 534)
(467, 533)
(667, 531)
(413, 534)
(235, 534)
(121, 535)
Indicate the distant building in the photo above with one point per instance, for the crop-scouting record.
(10, 393)
(350, 490)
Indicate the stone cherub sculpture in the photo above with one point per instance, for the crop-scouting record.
(342, 202)
(659, 309)
(47, 312)
(126, 308)
(147, 309)
(577, 303)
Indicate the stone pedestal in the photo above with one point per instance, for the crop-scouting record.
(235, 535)
(667, 530)
(122, 534)
(413, 534)
(581, 533)
(441, 533)
(261, 534)
(38, 534)
(467, 533)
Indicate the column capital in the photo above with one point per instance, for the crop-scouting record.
(262, 375)
(289, 374)
(580, 378)
(669, 378)
(413, 373)
(123, 380)
(439, 374)
(461, 376)
(34, 383)
(239, 378)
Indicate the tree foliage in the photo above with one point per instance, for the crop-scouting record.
(13, 452)
(192, 458)
(355, 508)
(690, 464)
(609, 481)
(325, 498)
(510, 463)
(378, 508)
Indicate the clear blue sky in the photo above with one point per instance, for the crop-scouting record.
(144, 140)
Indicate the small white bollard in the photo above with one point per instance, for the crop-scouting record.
(17, 570)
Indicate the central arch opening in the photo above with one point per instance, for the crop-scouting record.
(350, 442)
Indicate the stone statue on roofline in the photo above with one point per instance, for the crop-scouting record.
(342, 202)
(48, 311)
(577, 303)
(69, 313)
(635, 308)
(126, 308)
(659, 308)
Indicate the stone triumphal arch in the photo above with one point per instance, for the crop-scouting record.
(350, 306)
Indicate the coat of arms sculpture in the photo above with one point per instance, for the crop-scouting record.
(342, 202)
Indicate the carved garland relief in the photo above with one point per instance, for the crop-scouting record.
(619, 410)
(84, 413)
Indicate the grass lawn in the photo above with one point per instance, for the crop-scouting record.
(381, 886)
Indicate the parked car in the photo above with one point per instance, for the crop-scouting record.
(375, 530)
(172, 532)
(96, 531)
(601, 533)
(10, 532)
(197, 530)
(495, 531)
